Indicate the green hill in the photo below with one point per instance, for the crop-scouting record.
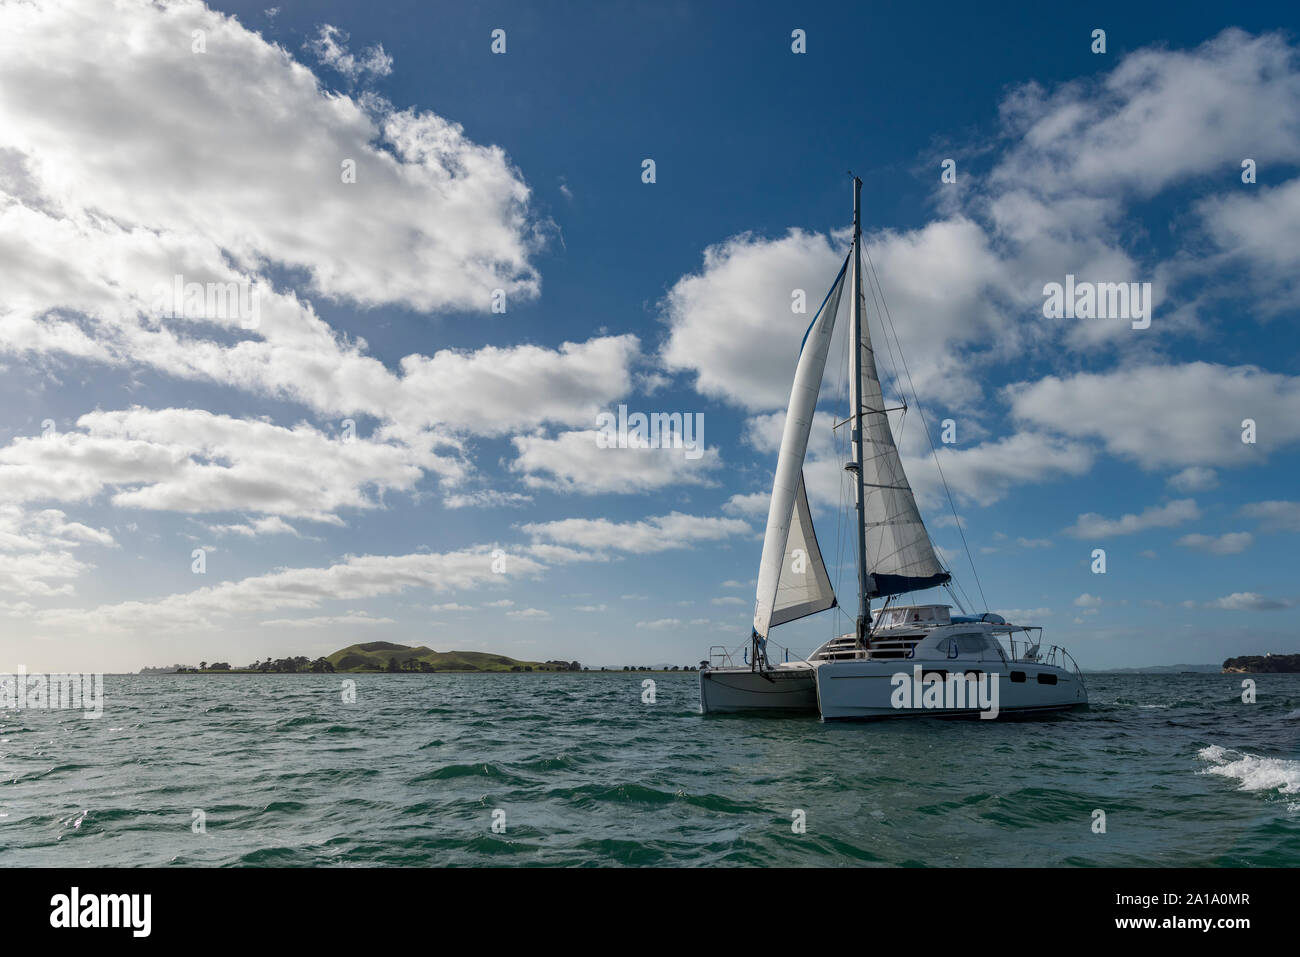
(378, 656)
(1262, 664)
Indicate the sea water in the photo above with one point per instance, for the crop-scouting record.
(581, 769)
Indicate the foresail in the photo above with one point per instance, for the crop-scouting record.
(900, 556)
(788, 482)
(804, 587)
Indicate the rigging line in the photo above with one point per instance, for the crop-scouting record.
(926, 427)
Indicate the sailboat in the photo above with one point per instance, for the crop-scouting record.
(909, 660)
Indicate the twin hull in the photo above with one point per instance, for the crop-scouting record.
(866, 689)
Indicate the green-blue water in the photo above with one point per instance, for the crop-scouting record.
(288, 774)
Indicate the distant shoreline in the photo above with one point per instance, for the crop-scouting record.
(399, 674)
(1268, 664)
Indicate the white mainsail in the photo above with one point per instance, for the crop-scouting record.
(899, 555)
(806, 583)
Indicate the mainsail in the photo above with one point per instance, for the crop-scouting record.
(791, 585)
(899, 555)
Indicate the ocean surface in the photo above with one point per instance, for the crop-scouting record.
(412, 774)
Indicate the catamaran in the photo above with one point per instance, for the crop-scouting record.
(910, 660)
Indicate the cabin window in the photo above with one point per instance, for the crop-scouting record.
(1018, 677)
(970, 643)
(1046, 678)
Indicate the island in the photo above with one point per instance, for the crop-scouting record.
(1262, 664)
(386, 657)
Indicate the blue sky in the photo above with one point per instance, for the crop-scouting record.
(129, 438)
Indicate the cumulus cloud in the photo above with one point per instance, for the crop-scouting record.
(327, 621)
(487, 498)
(433, 220)
(1249, 601)
(1176, 415)
(1160, 116)
(1274, 515)
(647, 536)
(1194, 478)
(269, 525)
(37, 550)
(661, 624)
(353, 579)
(1230, 543)
(330, 47)
(192, 461)
(1092, 525)
(574, 462)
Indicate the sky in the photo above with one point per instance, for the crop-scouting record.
(450, 262)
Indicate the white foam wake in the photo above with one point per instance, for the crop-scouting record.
(1253, 772)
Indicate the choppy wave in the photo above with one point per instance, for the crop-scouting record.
(576, 770)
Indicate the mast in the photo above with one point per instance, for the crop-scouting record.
(855, 417)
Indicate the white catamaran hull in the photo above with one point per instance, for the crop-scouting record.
(725, 690)
(870, 689)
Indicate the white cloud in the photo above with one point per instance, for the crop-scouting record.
(1249, 601)
(270, 525)
(433, 220)
(987, 472)
(648, 536)
(192, 461)
(1172, 415)
(1274, 515)
(487, 498)
(353, 579)
(330, 46)
(732, 325)
(573, 462)
(1160, 116)
(661, 624)
(1231, 543)
(36, 550)
(496, 391)
(530, 613)
(1024, 614)
(1193, 479)
(1259, 235)
(328, 621)
(1092, 525)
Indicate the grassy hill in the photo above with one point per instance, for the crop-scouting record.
(376, 655)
